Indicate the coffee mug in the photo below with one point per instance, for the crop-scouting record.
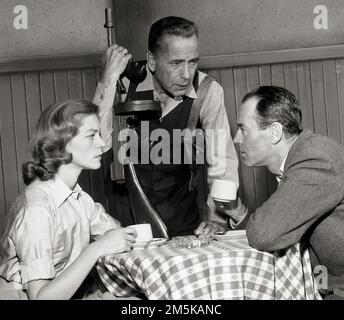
(144, 232)
(224, 190)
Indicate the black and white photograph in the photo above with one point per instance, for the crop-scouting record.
(189, 151)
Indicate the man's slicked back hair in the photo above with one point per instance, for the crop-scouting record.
(277, 104)
(170, 26)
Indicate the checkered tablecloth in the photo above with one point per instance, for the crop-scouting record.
(222, 270)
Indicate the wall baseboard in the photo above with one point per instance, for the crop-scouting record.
(42, 63)
(272, 57)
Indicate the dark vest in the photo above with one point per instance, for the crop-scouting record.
(167, 185)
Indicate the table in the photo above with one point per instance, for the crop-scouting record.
(221, 270)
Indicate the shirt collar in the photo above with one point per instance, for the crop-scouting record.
(147, 85)
(279, 178)
(60, 192)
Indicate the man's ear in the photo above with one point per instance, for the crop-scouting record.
(276, 131)
(151, 62)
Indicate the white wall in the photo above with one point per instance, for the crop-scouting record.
(235, 26)
(226, 26)
(54, 27)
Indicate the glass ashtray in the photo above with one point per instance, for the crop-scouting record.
(190, 242)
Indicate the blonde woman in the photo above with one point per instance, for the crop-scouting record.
(45, 243)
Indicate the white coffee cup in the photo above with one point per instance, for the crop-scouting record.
(144, 232)
(223, 190)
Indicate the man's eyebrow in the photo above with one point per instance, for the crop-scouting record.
(177, 61)
(183, 60)
(93, 130)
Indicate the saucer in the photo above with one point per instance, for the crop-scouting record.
(229, 235)
(156, 242)
(222, 200)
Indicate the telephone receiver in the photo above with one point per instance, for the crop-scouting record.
(135, 71)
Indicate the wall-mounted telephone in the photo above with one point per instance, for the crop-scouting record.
(135, 71)
(141, 207)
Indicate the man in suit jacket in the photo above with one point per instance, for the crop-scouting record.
(308, 205)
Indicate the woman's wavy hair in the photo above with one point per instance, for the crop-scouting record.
(57, 125)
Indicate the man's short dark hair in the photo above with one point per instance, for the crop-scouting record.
(174, 26)
(277, 104)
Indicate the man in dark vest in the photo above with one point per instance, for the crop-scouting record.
(173, 79)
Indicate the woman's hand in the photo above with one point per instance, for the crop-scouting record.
(116, 241)
(115, 60)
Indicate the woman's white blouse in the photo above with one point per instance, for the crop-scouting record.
(51, 229)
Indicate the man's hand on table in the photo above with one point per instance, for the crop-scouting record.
(208, 228)
(237, 212)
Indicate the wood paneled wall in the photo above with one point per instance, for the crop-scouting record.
(314, 75)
